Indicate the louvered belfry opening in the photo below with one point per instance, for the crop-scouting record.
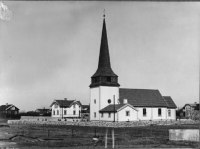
(104, 76)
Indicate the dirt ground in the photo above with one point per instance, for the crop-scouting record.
(54, 136)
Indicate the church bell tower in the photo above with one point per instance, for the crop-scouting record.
(104, 83)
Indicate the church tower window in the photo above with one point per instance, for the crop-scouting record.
(109, 79)
(94, 101)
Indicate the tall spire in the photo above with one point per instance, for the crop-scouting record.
(104, 57)
(104, 67)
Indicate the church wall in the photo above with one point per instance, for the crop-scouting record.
(106, 118)
(122, 114)
(173, 114)
(155, 114)
(94, 107)
(148, 114)
(152, 113)
(106, 93)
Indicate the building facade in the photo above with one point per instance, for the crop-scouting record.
(66, 109)
(108, 102)
(8, 110)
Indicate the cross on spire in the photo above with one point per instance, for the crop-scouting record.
(104, 13)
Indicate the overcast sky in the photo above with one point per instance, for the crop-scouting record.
(49, 50)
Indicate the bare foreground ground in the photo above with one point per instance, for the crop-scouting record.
(54, 136)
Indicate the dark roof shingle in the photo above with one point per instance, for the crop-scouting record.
(142, 97)
(169, 101)
(66, 103)
(110, 108)
(43, 110)
(104, 67)
(4, 107)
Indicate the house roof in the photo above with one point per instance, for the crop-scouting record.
(43, 110)
(142, 97)
(194, 105)
(116, 107)
(85, 106)
(169, 101)
(7, 107)
(65, 103)
(191, 104)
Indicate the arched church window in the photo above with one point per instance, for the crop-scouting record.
(159, 112)
(169, 113)
(94, 101)
(144, 112)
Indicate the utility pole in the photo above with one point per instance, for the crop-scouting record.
(114, 107)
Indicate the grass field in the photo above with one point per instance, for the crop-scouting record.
(44, 136)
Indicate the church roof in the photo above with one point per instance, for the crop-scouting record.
(110, 108)
(116, 107)
(142, 97)
(169, 101)
(104, 67)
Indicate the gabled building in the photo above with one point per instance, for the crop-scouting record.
(66, 108)
(8, 110)
(43, 111)
(108, 102)
(189, 109)
(85, 109)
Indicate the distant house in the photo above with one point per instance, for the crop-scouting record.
(85, 109)
(85, 112)
(43, 111)
(9, 110)
(188, 109)
(66, 108)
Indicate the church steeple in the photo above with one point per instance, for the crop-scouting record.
(104, 76)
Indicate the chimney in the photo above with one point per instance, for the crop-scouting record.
(65, 98)
(125, 101)
(44, 107)
(6, 104)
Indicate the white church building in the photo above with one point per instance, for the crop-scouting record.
(108, 102)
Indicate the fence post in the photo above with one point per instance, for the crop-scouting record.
(113, 138)
(72, 132)
(106, 137)
(95, 132)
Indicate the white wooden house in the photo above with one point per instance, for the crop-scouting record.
(106, 98)
(66, 108)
